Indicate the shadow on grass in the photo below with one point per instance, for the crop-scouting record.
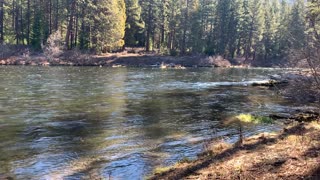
(315, 175)
(299, 166)
(314, 152)
(204, 162)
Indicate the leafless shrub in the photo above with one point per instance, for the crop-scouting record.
(306, 86)
(54, 46)
(134, 50)
(307, 56)
(218, 61)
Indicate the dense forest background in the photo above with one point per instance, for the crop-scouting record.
(250, 29)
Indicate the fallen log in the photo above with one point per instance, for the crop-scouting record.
(300, 116)
(269, 83)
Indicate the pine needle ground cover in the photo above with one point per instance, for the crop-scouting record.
(293, 153)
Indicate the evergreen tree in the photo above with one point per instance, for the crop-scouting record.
(281, 37)
(252, 29)
(164, 24)
(188, 18)
(233, 26)
(36, 35)
(313, 14)
(174, 14)
(84, 34)
(150, 12)
(267, 32)
(196, 30)
(256, 29)
(108, 25)
(134, 23)
(222, 20)
(297, 26)
(245, 30)
(1, 21)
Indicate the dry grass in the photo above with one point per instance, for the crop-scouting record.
(293, 153)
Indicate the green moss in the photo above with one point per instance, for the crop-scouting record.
(160, 170)
(249, 118)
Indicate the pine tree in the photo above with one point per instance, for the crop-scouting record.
(1, 21)
(149, 17)
(281, 34)
(36, 35)
(297, 26)
(233, 28)
(253, 29)
(174, 14)
(267, 34)
(256, 28)
(164, 23)
(313, 14)
(70, 27)
(134, 23)
(196, 30)
(188, 18)
(109, 25)
(84, 34)
(245, 21)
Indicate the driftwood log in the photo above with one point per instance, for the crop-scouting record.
(300, 116)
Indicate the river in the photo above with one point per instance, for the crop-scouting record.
(121, 123)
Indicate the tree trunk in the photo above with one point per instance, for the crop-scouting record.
(22, 37)
(163, 24)
(50, 17)
(28, 22)
(1, 21)
(249, 43)
(16, 17)
(239, 47)
(13, 14)
(171, 32)
(148, 48)
(77, 29)
(70, 25)
(184, 36)
(56, 19)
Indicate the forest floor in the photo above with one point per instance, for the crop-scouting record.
(293, 153)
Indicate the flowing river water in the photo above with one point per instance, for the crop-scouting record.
(121, 123)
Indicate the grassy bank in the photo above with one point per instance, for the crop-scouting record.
(293, 153)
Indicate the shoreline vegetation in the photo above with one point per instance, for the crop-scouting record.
(292, 153)
(129, 59)
(121, 59)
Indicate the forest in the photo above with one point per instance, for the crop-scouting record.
(251, 29)
(159, 89)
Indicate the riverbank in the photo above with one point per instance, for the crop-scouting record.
(293, 153)
(115, 60)
(130, 57)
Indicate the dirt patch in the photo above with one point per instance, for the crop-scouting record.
(293, 153)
